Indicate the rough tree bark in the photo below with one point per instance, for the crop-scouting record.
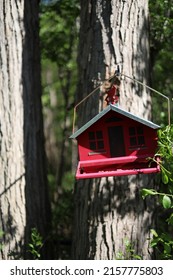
(23, 189)
(109, 211)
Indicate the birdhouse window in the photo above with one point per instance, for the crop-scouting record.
(96, 142)
(136, 135)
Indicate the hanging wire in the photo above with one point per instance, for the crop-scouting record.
(133, 79)
(159, 93)
(79, 103)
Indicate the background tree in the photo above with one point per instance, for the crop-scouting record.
(110, 211)
(59, 37)
(24, 200)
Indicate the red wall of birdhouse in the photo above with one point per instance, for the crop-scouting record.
(104, 125)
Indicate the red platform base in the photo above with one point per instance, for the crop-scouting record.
(121, 166)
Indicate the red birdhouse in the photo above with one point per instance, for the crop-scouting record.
(116, 143)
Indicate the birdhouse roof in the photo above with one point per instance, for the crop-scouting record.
(119, 111)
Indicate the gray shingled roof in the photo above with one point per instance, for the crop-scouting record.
(118, 110)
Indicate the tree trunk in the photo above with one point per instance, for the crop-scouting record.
(36, 194)
(23, 195)
(110, 211)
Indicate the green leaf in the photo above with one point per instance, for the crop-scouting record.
(170, 220)
(137, 257)
(166, 201)
(146, 192)
(167, 248)
(154, 233)
(165, 178)
(154, 242)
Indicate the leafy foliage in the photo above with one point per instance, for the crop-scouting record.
(161, 13)
(163, 243)
(36, 244)
(163, 240)
(161, 48)
(129, 252)
(58, 29)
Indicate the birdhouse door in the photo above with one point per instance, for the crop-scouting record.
(116, 141)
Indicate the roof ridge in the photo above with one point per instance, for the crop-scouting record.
(117, 109)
